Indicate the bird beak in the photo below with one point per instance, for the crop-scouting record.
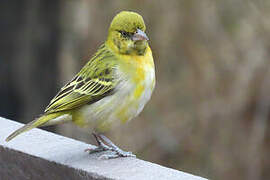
(139, 36)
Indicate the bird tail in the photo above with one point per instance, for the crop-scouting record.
(41, 121)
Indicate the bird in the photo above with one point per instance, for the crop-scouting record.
(111, 89)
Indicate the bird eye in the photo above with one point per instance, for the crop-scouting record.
(125, 34)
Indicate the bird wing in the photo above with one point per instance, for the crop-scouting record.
(94, 82)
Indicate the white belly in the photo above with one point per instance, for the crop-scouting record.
(120, 107)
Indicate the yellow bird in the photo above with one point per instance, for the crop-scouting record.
(111, 89)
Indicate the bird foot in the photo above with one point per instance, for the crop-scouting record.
(115, 151)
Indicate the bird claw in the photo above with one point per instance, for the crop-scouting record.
(95, 150)
(116, 154)
(113, 150)
(122, 153)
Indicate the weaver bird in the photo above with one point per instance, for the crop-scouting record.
(111, 89)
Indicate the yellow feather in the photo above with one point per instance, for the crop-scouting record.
(112, 87)
(41, 121)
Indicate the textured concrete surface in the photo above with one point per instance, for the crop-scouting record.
(39, 154)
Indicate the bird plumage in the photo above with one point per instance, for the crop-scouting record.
(112, 87)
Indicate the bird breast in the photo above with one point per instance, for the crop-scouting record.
(132, 92)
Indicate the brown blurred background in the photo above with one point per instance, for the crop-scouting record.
(209, 114)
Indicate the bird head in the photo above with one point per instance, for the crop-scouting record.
(127, 34)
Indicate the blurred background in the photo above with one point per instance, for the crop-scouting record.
(209, 114)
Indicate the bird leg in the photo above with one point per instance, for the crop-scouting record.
(101, 146)
(105, 144)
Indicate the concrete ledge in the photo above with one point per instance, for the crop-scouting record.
(39, 154)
